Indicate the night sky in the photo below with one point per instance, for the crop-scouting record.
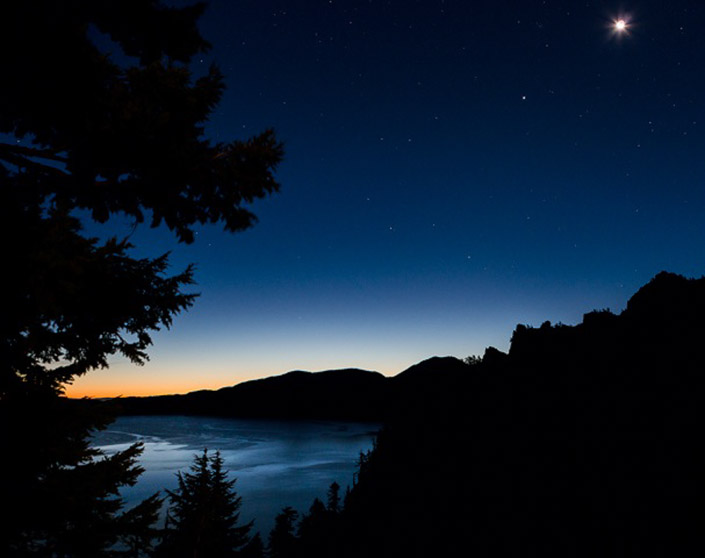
(452, 168)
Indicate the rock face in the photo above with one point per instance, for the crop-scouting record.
(657, 332)
(582, 441)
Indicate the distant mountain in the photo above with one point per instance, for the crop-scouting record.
(348, 394)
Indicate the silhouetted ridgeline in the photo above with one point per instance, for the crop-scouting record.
(582, 441)
(349, 394)
(341, 394)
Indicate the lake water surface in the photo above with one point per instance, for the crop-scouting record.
(276, 463)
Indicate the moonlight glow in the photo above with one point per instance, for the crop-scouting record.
(620, 25)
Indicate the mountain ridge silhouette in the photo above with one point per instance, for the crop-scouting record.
(663, 314)
(581, 441)
(338, 394)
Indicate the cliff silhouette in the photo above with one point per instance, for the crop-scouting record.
(583, 440)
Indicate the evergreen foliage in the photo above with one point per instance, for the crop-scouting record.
(283, 542)
(140, 531)
(99, 116)
(203, 515)
(333, 498)
(63, 493)
(320, 530)
(254, 548)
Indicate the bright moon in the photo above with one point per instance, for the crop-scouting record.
(620, 25)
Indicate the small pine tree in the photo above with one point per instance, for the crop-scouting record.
(138, 529)
(282, 540)
(334, 498)
(321, 528)
(314, 521)
(204, 513)
(315, 531)
(254, 548)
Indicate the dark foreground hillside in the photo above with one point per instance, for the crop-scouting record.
(581, 441)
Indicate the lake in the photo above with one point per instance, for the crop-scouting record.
(276, 463)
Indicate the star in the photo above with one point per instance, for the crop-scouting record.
(620, 26)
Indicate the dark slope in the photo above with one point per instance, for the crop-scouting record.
(582, 441)
(348, 394)
(335, 394)
(438, 369)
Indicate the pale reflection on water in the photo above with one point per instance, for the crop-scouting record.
(276, 463)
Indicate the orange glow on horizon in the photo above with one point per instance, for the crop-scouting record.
(187, 374)
(91, 388)
(98, 392)
(95, 386)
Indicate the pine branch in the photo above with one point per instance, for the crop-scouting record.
(19, 156)
(31, 152)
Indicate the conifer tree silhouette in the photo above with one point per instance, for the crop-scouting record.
(80, 132)
(204, 513)
(334, 498)
(283, 542)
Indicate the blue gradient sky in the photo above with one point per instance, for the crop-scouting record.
(452, 169)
